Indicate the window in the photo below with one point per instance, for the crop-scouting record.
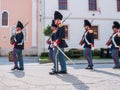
(4, 18)
(118, 5)
(66, 31)
(13, 31)
(62, 4)
(95, 28)
(92, 5)
(25, 34)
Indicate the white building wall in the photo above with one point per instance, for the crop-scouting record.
(34, 22)
(80, 11)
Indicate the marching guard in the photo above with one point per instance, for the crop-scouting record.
(88, 41)
(59, 42)
(114, 41)
(18, 47)
(50, 42)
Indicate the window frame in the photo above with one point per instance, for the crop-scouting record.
(118, 7)
(62, 5)
(4, 26)
(97, 31)
(89, 6)
(26, 34)
(68, 36)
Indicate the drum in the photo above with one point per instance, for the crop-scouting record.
(10, 56)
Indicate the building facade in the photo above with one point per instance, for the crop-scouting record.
(101, 13)
(39, 14)
(10, 12)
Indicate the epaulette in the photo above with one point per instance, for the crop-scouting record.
(60, 25)
(118, 34)
(91, 31)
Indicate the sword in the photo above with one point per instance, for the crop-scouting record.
(65, 55)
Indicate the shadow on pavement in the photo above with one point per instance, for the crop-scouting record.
(79, 85)
(18, 74)
(108, 73)
(83, 66)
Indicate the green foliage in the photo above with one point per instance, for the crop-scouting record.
(75, 53)
(44, 54)
(96, 53)
(47, 31)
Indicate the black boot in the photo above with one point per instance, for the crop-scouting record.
(53, 73)
(15, 68)
(116, 67)
(62, 72)
(21, 69)
(89, 67)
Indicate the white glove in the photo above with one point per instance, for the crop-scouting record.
(55, 44)
(93, 48)
(19, 44)
(51, 45)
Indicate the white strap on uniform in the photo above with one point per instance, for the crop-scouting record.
(18, 43)
(114, 41)
(86, 39)
(21, 42)
(15, 39)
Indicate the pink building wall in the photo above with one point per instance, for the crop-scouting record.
(17, 10)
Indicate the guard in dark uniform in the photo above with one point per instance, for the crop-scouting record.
(60, 42)
(115, 44)
(18, 47)
(50, 42)
(88, 43)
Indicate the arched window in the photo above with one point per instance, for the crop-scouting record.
(5, 18)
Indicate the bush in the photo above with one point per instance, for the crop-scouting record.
(75, 52)
(44, 54)
(47, 31)
(96, 53)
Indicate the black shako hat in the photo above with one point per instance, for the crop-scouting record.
(87, 23)
(20, 25)
(53, 24)
(116, 25)
(58, 15)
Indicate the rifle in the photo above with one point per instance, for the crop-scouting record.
(109, 40)
(12, 37)
(82, 40)
(66, 18)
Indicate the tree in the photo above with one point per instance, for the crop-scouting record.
(47, 31)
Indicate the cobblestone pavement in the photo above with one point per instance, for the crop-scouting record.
(36, 77)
